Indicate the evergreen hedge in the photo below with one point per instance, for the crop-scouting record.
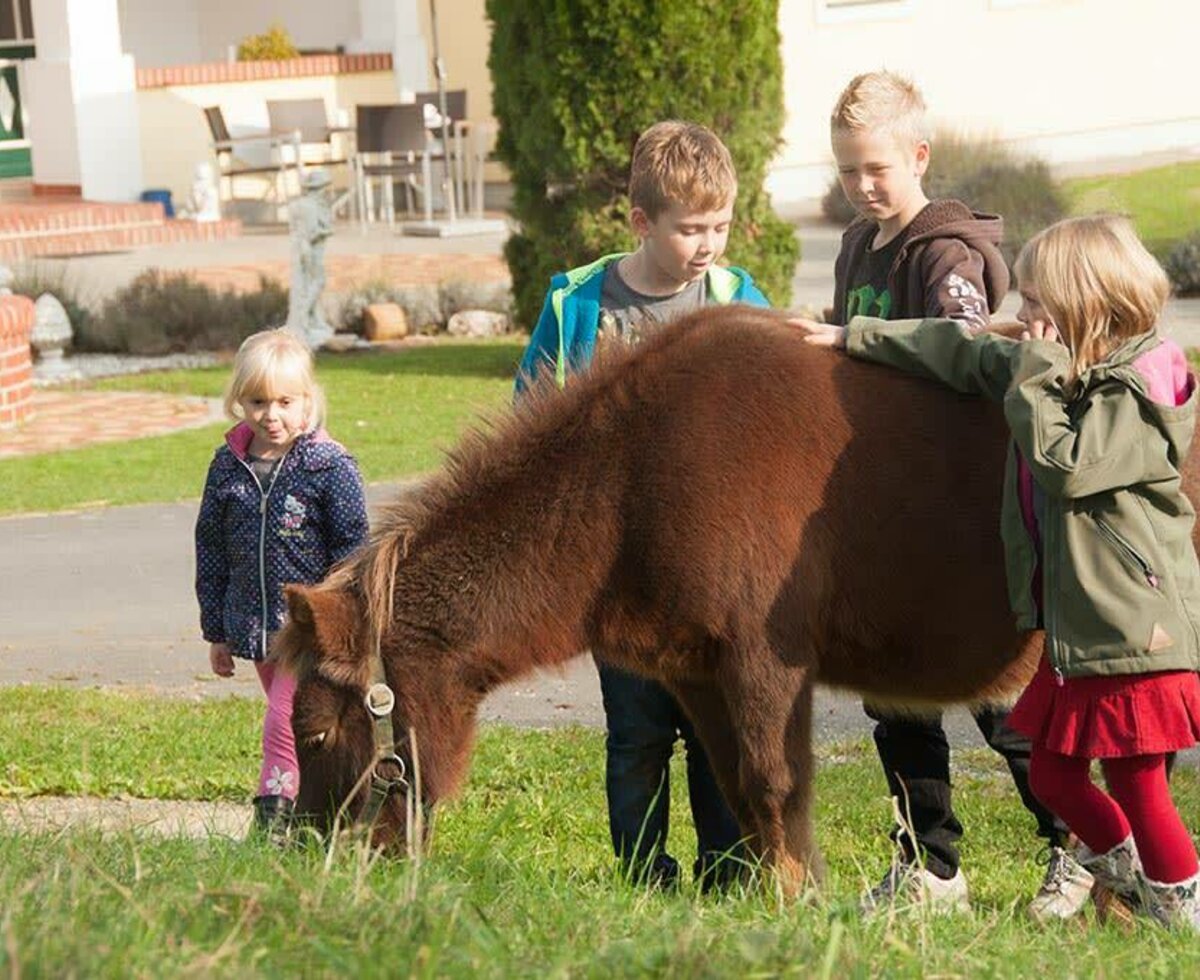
(575, 82)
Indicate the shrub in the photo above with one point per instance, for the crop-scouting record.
(275, 45)
(575, 82)
(1183, 266)
(987, 176)
(167, 313)
(32, 279)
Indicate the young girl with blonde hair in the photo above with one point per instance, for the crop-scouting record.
(282, 503)
(1098, 540)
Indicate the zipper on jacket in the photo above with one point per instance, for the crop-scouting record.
(262, 544)
(1127, 550)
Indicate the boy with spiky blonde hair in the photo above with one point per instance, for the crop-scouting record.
(905, 256)
(682, 187)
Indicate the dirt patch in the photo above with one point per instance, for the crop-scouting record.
(167, 818)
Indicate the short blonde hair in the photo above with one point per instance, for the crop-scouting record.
(270, 363)
(881, 102)
(1097, 281)
(683, 163)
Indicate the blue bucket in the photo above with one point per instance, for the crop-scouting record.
(162, 197)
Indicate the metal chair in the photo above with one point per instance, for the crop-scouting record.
(391, 142)
(305, 123)
(231, 166)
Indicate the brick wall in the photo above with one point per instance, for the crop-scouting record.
(16, 361)
(218, 72)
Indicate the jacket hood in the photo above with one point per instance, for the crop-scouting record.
(978, 230)
(1157, 370)
(238, 439)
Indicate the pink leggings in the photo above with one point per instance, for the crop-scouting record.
(280, 775)
(1140, 803)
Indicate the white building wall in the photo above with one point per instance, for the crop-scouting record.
(311, 23)
(81, 102)
(161, 32)
(1073, 80)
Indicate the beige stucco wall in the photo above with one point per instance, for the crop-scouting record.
(1074, 80)
(175, 134)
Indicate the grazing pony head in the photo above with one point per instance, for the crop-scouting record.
(380, 720)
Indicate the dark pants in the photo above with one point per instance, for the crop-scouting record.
(643, 723)
(916, 760)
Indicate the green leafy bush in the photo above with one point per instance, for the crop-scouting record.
(167, 313)
(1183, 266)
(575, 82)
(275, 45)
(987, 176)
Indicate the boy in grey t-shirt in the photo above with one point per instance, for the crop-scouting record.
(682, 187)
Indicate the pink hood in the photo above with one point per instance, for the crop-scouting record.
(238, 439)
(1165, 371)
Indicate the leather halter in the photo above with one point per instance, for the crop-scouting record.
(380, 701)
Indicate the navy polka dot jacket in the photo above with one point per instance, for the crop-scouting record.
(250, 544)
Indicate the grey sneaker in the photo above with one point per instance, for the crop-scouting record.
(1119, 890)
(1176, 906)
(912, 886)
(1065, 888)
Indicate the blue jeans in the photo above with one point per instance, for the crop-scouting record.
(643, 722)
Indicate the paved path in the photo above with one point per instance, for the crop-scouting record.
(104, 597)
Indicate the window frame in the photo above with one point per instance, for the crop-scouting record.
(861, 11)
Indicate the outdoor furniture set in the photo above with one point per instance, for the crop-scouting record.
(391, 144)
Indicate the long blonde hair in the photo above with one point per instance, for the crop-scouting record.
(271, 362)
(1097, 281)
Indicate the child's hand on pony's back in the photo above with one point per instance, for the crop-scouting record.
(817, 333)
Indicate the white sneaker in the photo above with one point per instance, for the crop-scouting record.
(912, 886)
(1065, 888)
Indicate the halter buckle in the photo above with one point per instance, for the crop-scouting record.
(380, 700)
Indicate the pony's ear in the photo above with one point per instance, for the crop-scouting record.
(322, 635)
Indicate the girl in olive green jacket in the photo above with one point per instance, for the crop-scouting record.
(1098, 541)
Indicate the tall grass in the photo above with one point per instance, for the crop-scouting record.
(517, 881)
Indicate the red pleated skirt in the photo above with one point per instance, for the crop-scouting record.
(1110, 717)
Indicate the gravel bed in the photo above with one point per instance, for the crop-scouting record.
(85, 367)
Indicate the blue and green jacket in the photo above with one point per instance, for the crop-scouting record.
(565, 335)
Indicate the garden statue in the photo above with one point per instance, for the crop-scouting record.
(51, 333)
(310, 222)
(204, 202)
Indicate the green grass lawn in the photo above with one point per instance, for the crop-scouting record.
(1164, 202)
(518, 880)
(395, 411)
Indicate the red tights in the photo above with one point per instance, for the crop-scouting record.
(1140, 803)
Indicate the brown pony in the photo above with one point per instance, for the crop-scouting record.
(723, 508)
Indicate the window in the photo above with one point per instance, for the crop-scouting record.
(16, 21)
(842, 11)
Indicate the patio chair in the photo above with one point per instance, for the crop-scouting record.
(305, 123)
(391, 142)
(282, 154)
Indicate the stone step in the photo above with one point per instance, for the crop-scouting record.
(77, 227)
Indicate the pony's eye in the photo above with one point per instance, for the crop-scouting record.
(316, 739)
